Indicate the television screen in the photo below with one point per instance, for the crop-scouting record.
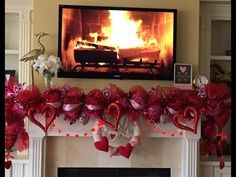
(117, 42)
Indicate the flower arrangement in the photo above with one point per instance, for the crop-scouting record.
(48, 66)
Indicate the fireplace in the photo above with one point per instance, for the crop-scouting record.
(113, 172)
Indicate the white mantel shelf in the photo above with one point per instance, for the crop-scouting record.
(79, 129)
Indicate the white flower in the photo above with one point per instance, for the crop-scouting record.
(47, 64)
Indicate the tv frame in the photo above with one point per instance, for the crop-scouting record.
(121, 76)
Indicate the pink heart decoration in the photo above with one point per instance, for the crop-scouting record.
(182, 68)
(102, 145)
(50, 114)
(186, 116)
(125, 150)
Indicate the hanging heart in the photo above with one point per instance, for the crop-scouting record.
(102, 144)
(8, 164)
(125, 150)
(48, 111)
(189, 114)
(114, 113)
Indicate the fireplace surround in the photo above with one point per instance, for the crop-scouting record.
(114, 172)
(38, 153)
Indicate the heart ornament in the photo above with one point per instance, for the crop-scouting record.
(190, 115)
(182, 68)
(49, 113)
(111, 116)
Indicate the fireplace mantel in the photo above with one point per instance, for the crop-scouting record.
(190, 152)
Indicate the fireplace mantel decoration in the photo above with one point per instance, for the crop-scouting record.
(114, 110)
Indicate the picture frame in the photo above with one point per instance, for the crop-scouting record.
(183, 75)
(8, 74)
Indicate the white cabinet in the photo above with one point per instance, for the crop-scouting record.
(18, 20)
(211, 169)
(215, 59)
(12, 41)
(18, 32)
(215, 42)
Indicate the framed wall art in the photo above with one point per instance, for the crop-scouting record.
(183, 75)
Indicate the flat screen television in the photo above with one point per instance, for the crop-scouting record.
(117, 42)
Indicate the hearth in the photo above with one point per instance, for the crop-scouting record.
(113, 172)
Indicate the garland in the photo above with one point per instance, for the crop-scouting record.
(111, 107)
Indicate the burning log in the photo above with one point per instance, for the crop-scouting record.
(94, 56)
(152, 53)
(96, 46)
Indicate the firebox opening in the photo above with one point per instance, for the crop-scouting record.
(113, 172)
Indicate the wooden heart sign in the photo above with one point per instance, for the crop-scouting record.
(114, 113)
(190, 114)
(49, 113)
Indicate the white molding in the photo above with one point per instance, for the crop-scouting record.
(19, 168)
(190, 153)
(36, 157)
(25, 46)
(214, 163)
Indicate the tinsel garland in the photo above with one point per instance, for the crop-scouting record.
(157, 105)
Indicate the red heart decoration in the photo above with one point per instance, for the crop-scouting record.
(114, 110)
(49, 112)
(125, 150)
(189, 114)
(8, 164)
(112, 136)
(222, 162)
(102, 145)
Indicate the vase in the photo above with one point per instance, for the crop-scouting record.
(47, 80)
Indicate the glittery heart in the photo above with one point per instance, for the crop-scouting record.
(190, 114)
(48, 111)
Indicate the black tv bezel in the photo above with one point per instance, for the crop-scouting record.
(127, 76)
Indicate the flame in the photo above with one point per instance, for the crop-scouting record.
(123, 32)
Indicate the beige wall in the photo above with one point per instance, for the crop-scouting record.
(153, 152)
(46, 19)
(80, 152)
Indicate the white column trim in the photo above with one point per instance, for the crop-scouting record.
(190, 153)
(25, 46)
(36, 160)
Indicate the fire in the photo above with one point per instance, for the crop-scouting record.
(123, 32)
